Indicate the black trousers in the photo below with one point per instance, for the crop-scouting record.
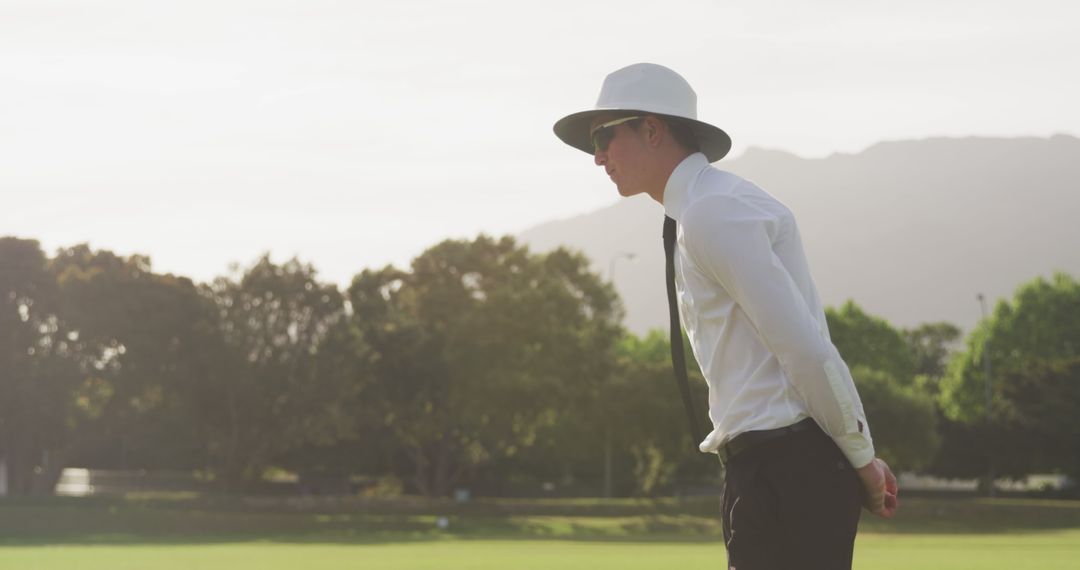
(791, 503)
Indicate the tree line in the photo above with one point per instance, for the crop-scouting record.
(481, 365)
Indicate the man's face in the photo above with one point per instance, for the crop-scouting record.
(621, 158)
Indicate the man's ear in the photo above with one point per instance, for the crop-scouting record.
(654, 128)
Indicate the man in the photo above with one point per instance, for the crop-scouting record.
(787, 420)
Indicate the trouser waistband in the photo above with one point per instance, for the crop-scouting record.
(749, 439)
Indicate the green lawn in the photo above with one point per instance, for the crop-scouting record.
(98, 534)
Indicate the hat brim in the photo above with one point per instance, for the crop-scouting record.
(573, 130)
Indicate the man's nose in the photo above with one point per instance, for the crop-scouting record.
(599, 157)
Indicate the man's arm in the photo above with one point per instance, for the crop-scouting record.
(730, 241)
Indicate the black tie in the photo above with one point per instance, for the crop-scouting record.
(678, 358)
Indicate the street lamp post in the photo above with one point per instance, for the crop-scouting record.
(607, 422)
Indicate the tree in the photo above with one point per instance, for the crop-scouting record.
(101, 348)
(903, 421)
(286, 383)
(871, 342)
(932, 344)
(145, 338)
(327, 453)
(652, 416)
(37, 369)
(902, 415)
(1026, 341)
(1042, 402)
(631, 429)
(1042, 323)
(477, 347)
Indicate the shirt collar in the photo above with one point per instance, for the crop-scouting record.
(678, 184)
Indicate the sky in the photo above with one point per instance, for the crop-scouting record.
(357, 134)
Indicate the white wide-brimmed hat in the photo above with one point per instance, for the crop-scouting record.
(649, 89)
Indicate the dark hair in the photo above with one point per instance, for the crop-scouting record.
(682, 132)
(684, 135)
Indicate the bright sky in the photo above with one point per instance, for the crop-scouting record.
(356, 134)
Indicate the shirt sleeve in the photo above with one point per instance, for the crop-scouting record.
(732, 243)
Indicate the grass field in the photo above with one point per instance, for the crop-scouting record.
(116, 534)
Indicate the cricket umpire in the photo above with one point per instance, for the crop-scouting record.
(787, 420)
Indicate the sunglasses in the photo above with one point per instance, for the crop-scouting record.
(602, 134)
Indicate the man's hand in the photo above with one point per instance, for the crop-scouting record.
(879, 487)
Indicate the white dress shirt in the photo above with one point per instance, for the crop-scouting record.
(753, 315)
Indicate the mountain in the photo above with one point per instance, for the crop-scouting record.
(910, 230)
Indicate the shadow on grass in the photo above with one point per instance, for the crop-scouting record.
(200, 522)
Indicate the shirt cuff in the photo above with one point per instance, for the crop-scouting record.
(857, 448)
